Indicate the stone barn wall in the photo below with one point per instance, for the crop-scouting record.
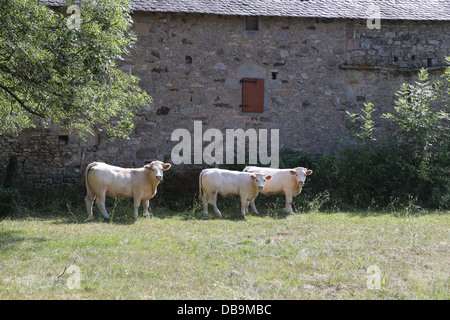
(313, 69)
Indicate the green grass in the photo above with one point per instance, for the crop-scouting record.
(181, 255)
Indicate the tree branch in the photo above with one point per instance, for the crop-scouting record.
(21, 103)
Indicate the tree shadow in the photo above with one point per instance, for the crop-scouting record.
(230, 210)
(10, 239)
(67, 206)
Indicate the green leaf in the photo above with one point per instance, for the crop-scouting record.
(52, 73)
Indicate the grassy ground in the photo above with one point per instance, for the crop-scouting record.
(180, 255)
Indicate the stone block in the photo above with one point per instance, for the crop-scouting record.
(349, 93)
(282, 36)
(220, 66)
(250, 70)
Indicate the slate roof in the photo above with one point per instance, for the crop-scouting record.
(353, 9)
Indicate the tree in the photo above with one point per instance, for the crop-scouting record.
(411, 163)
(422, 111)
(60, 66)
(366, 125)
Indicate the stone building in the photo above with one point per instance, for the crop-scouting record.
(292, 65)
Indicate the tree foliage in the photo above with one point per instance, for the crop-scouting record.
(367, 127)
(61, 68)
(422, 111)
(415, 160)
(410, 166)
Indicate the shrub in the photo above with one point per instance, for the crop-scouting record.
(413, 162)
(9, 201)
(11, 172)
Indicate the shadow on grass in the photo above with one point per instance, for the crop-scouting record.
(67, 207)
(10, 239)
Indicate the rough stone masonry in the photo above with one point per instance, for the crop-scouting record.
(314, 69)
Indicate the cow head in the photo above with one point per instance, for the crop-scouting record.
(260, 179)
(156, 168)
(300, 174)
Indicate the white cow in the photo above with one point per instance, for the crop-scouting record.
(140, 184)
(284, 181)
(226, 183)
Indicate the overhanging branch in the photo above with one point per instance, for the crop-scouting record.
(20, 101)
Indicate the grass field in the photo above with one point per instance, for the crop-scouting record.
(181, 255)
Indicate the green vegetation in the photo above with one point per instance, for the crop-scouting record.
(60, 67)
(410, 164)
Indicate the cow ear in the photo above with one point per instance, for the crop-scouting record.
(252, 176)
(166, 166)
(292, 171)
(148, 167)
(308, 172)
(268, 177)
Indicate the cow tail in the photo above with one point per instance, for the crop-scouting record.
(200, 186)
(88, 185)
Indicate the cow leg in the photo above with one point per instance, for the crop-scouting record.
(244, 205)
(213, 201)
(101, 205)
(89, 200)
(137, 203)
(252, 204)
(288, 208)
(146, 204)
(205, 204)
(216, 210)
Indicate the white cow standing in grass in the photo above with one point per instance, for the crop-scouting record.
(226, 183)
(140, 184)
(284, 181)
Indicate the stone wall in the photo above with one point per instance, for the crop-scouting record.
(192, 64)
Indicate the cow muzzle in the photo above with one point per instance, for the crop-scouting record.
(260, 187)
(158, 178)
